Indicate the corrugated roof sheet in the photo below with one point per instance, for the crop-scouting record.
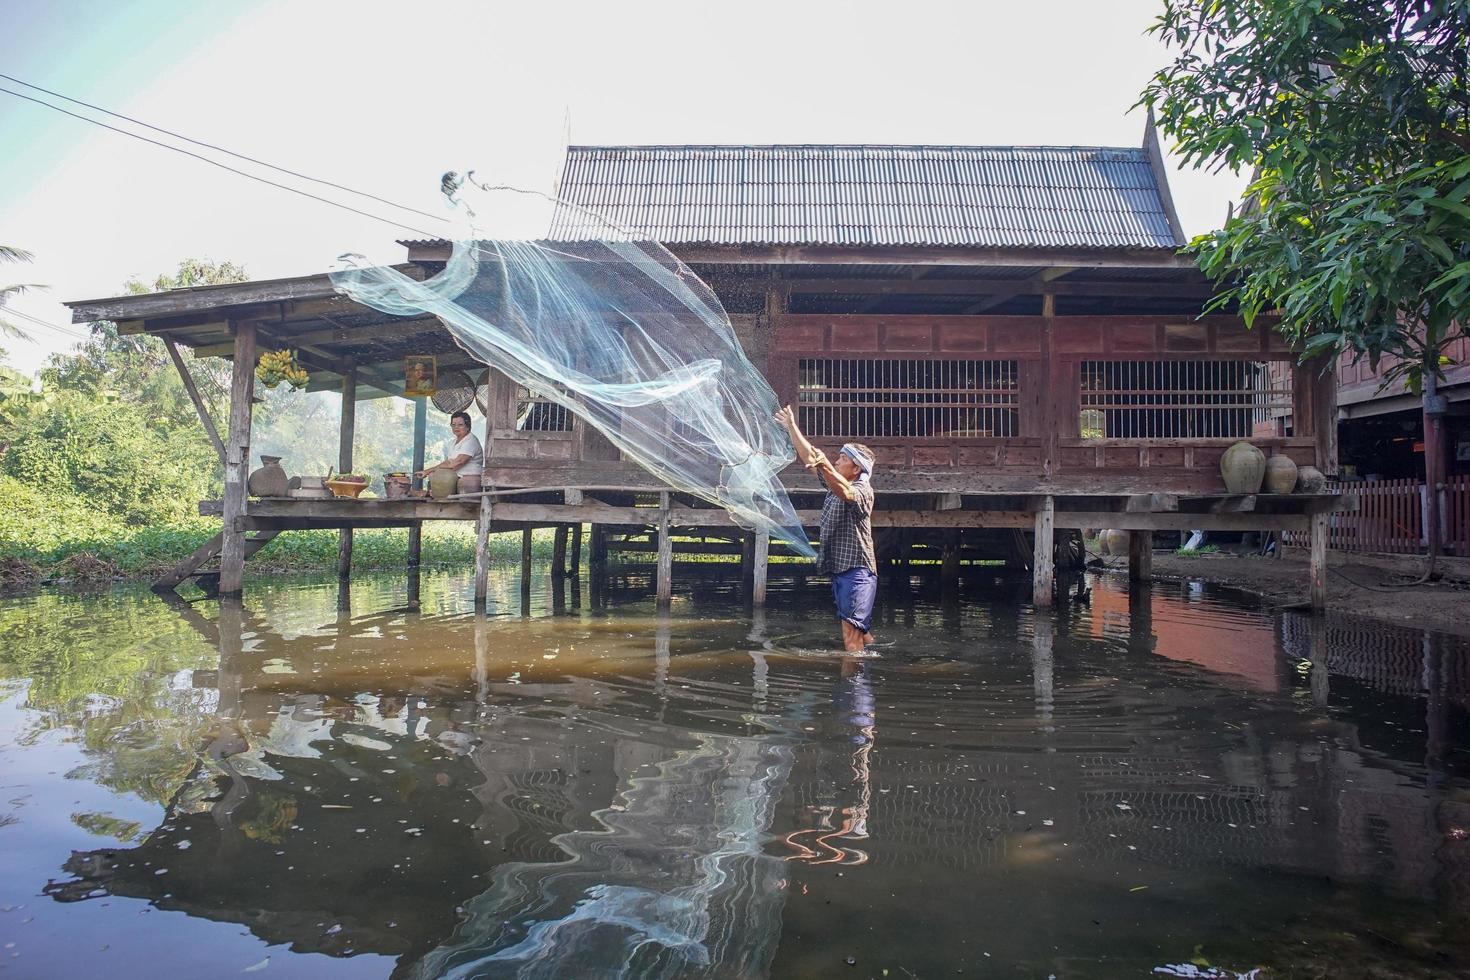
(976, 196)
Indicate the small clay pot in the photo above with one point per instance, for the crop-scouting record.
(396, 487)
(1243, 467)
(1281, 474)
(1309, 479)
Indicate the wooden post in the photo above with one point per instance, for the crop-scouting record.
(525, 564)
(344, 463)
(665, 552)
(597, 565)
(1140, 556)
(949, 568)
(559, 553)
(1043, 570)
(747, 560)
(482, 551)
(420, 428)
(760, 559)
(237, 459)
(576, 551)
(1317, 563)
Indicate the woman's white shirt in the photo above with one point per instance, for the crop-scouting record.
(469, 446)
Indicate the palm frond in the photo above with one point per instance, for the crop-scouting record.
(9, 253)
(11, 331)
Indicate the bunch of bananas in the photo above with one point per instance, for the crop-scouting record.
(281, 365)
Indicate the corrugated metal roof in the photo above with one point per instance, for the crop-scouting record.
(975, 196)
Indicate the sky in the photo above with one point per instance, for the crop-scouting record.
(385, 97)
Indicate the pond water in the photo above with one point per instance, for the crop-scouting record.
(1175, 780)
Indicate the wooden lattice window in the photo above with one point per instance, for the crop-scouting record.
(1183, 399)
(874, 398)
(537, 414)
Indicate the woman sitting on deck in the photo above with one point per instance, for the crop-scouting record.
(467, 457)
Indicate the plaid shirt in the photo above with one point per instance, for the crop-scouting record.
(847, 531)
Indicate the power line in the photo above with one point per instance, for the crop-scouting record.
(216, 163)
(227, 152)
(37, 321)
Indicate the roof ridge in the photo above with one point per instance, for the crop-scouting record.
(579, 147)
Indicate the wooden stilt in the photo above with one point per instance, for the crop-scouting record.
(747, 561)
(237, 460)
(1317, 563)
(420, 430)
(597, 565)
(576, 569)
(1141, 618)
(344, 463)
(1140, 556)
(949, 568)
(559, 553)
(665, 552)
(759, 566)
(482, 551)
(525, 564)
(1043, 570)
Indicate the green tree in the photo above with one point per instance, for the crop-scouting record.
(1352, 117)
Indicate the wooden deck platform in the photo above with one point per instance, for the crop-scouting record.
(662, 513)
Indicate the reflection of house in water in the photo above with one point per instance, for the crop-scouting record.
(340, 821)
(643, 810)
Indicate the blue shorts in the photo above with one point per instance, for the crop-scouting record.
(854, 591)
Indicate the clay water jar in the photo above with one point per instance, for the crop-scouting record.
(1243, 468)
(1309, 479)
(270, 480)
(443, 484)
(1281, 474)
(469, 484)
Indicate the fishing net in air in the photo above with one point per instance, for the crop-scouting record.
(618, 330)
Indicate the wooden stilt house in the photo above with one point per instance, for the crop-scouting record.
(1010, 328)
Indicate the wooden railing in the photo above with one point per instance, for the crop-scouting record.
(1390, 518)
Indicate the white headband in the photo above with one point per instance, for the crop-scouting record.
(863, 460)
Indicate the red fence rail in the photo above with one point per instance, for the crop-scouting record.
(1390, 518)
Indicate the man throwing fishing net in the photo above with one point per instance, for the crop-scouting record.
(847, 529)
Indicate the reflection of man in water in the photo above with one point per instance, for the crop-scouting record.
(832, 827)
(847, 529)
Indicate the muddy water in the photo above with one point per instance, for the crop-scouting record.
(1174, 779)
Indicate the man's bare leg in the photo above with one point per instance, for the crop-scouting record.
(852, 637)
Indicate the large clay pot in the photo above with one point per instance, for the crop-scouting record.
(1115, 542)
(1280, 474)
(270, 480)
(1309, 479)
(443, 484)
(1244, 467)
(469, 484)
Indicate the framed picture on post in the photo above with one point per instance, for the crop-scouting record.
(420, 376)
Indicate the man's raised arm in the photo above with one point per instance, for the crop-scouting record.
(813, 458)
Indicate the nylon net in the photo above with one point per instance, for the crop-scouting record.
(616, 329)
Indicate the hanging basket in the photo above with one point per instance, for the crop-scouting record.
(482, 392)
(455, 392)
